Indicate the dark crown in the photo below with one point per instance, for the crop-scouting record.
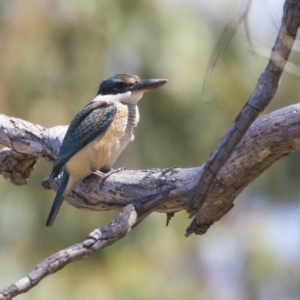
(117, 84)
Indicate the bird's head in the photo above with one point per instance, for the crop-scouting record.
(128, 84)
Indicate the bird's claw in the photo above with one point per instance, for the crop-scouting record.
(103, 176)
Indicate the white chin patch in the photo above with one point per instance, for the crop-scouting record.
(127, 97)
(113, 98)
(135, 97)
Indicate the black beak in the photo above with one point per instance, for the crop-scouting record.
(145, 85)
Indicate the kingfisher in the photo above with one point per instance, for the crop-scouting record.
(99, 133)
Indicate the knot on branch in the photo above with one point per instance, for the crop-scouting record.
(196, 228)
(16, 166)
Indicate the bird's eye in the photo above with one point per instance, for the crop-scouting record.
(119, 86)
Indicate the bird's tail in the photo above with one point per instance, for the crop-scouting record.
(58, 199)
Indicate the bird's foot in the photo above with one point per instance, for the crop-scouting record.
(103, 176)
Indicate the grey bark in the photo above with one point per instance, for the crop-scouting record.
(267, 140)
(265, 90)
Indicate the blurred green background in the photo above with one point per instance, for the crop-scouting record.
(53, 56)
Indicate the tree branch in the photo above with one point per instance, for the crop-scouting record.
(97, 240)
(264, 92)
(269, 138)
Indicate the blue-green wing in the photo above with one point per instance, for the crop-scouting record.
(93, 120)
